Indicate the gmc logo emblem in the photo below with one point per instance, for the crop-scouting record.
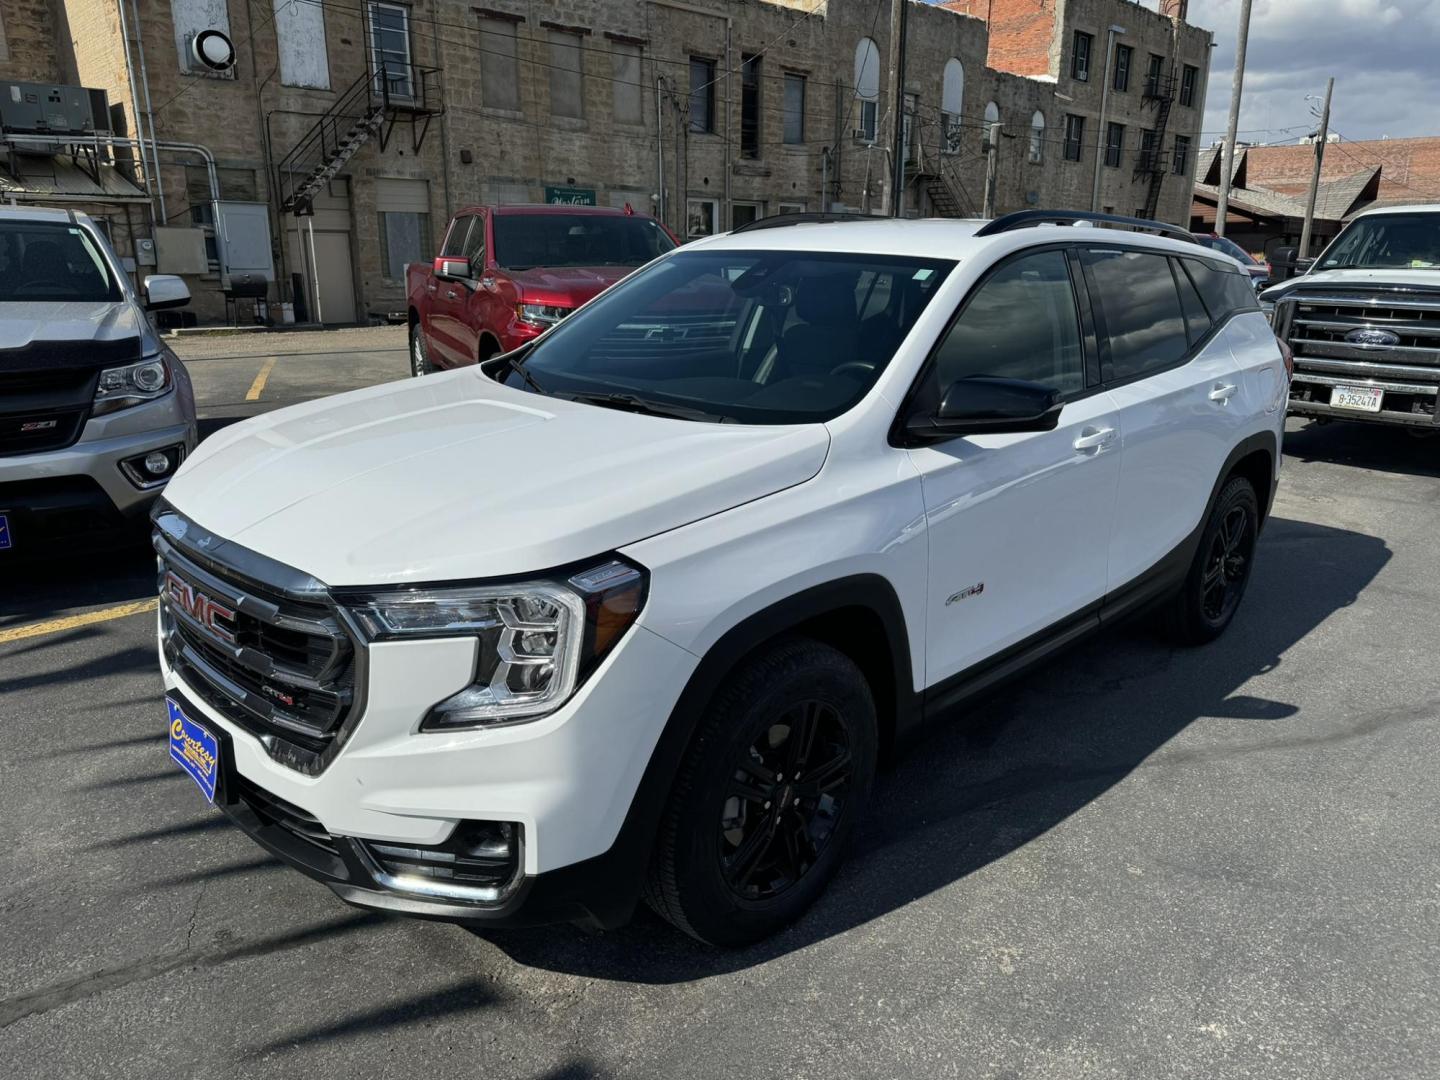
(183, 596)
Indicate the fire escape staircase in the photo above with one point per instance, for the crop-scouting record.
(931, 170)
(370, 108)
(1159, 92)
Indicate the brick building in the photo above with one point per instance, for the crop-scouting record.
(377, 118)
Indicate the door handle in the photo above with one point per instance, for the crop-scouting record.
(487, 281)
(450, 294)
(1093, 438)
(430, 286)
(1222, 392)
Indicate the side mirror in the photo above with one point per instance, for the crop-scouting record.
(1302, 266)
(452, 268)
(983, 405)
(1284, 263)
(165, 291)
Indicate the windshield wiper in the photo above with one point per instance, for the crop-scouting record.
(634, 403)
(517, 365)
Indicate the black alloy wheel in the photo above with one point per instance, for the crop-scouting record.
(1227, 564)
(786, 796)
(1220, 571)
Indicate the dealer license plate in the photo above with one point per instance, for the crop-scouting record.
(7, 539)
(194, 749)
(1359, 398)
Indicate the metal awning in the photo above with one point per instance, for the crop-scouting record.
(32, 179)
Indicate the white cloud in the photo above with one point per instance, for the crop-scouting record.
(1382, 53)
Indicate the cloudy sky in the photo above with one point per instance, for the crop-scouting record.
(1384, 55)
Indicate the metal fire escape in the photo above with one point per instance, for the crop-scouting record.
(934, 171)
(369, 108)
(1159, 92)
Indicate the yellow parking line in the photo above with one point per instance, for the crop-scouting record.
(70, 622)
(259, 384)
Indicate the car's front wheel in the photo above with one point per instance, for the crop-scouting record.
(419, 353)
(774, 783)
(1216, 583)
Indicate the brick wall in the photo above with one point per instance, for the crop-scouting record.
(27, 41)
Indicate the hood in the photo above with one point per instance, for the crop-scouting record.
(69, 333)
(455, 477)
(1357, 279)
(566, 286)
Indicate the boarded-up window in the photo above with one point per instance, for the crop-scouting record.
(627, 83)
(300, 34)
(565, 81)
(404, 212)
(794, 103)
(192, 17)
(499, 73)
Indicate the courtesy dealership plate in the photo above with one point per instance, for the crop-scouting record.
(7, 540)
(194, 749)
(1359, 398)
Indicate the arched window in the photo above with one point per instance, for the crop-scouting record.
(867, 86)
(952, 105)
(992, 116)
(1037, 137)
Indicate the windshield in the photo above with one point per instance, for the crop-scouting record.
(756, 337)
(1228, 246)
(550, 240)
(52, 261)
(1386, 242)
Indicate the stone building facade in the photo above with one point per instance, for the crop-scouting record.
(708, 113)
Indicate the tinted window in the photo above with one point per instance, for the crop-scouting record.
(758, 337)
(1224, 289)
(474, 249)
(455, 238)
(523, 241)
(1020, 324)
(40, 261)
(1197, 320)
(1136, 294)
(1387, 242)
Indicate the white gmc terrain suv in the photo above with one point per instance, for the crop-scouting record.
(635, 610)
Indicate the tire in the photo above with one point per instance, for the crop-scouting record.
(743, 848)
(419, 353)
(1216, 582)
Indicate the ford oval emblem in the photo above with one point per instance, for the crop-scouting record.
(1370, 335)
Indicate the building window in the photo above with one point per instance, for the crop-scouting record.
(1147, 151)
(702, 95)
(1124, 57)
(1037, 138)
(1114, 144)
(499, 68)
(867, 87)
(743, 213)
(794, 109)
(300, 39)
(790, 208)
(1074, 136)
(567, 81)
(1153, 74)
(1180, 160)
(1188, 78)
(992, 116)
(952, 105)
(390, 51)
(626, 69)
(749, 106)
(1080, 56)
(700, 218)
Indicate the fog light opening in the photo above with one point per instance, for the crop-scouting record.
(154, 468)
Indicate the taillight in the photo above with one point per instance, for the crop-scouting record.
(1288, 355)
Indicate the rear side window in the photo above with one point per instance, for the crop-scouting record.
(1224, 290)
(1197, 319)
(1136, 295)
(1021, 323)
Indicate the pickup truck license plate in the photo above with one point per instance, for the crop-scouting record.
(1360, 398)
(194, 749)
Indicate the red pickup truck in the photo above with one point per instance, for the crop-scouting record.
(506, 273)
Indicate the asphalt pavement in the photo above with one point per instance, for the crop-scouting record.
(1140, 862)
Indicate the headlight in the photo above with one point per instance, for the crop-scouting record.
(134, 384)
(537, 640)
(541, 314)
(1268, 307)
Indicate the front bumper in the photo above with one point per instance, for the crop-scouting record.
(567, 781)
(1406, 403)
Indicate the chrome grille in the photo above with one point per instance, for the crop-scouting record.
(257, 641)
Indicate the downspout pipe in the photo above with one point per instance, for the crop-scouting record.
(1108, 77)
(149, 110)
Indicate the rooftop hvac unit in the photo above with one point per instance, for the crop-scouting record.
(44, 109)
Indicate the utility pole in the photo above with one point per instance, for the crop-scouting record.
(1222, 205)
(1315, 174)
(1108, 77)
(992, 166)
(899, 20)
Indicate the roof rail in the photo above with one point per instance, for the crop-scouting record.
(812, 217)
(1024, 218)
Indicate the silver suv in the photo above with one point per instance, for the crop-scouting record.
(96, 413)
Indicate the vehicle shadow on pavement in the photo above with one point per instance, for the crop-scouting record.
(1026, 759)
(45, 587)
(1366, 446)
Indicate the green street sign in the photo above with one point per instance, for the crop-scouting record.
(570, 196)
